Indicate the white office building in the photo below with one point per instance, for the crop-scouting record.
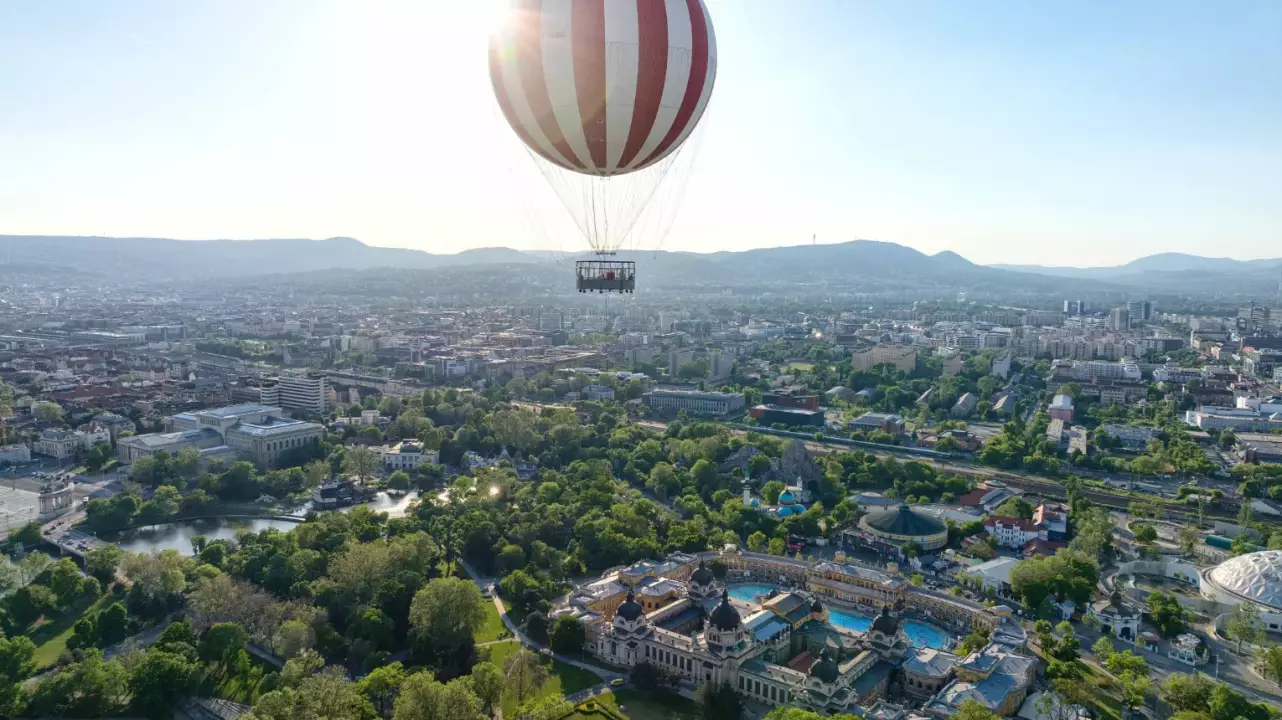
(694, 402)
(301, 393)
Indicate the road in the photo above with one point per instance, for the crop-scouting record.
(1027, 482)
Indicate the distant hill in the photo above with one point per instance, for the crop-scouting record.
(866, 264)
(179, 259)
(1175, 272)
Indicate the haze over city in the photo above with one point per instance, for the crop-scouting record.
(999, 130)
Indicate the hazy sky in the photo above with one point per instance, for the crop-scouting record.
(1014, 131)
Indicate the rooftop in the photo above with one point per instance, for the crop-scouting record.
(273, 426)
(237, 410)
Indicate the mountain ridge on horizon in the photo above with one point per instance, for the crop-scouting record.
(874, 262)
(1162, 260)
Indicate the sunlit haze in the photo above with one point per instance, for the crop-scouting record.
(1004, 131)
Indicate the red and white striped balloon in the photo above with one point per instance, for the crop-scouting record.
(604, 87)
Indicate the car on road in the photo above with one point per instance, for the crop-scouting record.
(617, 682)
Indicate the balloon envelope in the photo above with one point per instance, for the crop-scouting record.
(604, 87)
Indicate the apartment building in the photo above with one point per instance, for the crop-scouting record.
(296, 393)
(902, 357)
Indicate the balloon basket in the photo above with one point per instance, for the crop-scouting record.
(605, 276)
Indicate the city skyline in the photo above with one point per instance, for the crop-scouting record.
(1002, 133)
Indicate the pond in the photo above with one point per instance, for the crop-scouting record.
(178, 535)
(394, 505)
(919, 634)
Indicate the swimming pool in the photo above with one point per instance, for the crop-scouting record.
(919, 634)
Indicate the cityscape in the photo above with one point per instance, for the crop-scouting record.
(554, 371)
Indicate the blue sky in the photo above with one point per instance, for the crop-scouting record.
(1007, 131)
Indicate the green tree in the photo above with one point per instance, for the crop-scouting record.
(567, 636)
(399, 480)
(17, 663)
(157, 577)
(360, 461)
(1016, 507)
(160, 683)
(29, 535)
(1145, 533)
(292, 638)
(975, 710)
(524, 674)
(301, 667)
(113, 624)
(423, 698)
(29, 603)
(1244, 625)
(487, 684)
(1229, 704)
(771, 490)
(381, 686)
(1269, 663)
(776, 547)
(444, 615)
(222, 644)
(973, 642)
(1167, 614)
(324, 696)
(1189, 537)
(1187, 692)
(757, 541)
(47, 412)
(1103, 649)
(91, 688)
(64, 581)
(1066, 575)
(719, 702)
(1134, 688)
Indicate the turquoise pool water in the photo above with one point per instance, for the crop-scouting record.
(919, 634)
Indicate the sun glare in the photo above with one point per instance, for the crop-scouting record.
(492, 14)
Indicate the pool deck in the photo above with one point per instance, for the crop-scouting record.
(948, 640)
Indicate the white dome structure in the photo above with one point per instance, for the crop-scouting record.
(1256, 577)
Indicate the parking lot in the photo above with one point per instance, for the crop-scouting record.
(18, 506)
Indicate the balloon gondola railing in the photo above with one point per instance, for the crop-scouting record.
(605, 276)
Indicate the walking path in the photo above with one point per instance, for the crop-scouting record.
(605, 675)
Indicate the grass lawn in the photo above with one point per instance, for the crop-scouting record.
(651, 706)
(798, 367)
(493, 625)
(1105, 703)
(242, 688)
(517, 616)
(562, 678)
(51, 637)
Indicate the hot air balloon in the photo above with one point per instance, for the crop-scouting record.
(604, 94)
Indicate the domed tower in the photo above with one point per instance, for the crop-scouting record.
(825, 670)
(886, 636)
(818, 611)
(725, 628)
(630, 617)
(629, 627)
(703, 584)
